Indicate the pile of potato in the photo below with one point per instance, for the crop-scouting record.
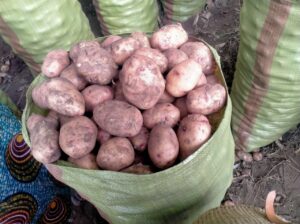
(132, 104)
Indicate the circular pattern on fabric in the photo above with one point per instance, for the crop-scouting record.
(57, 211)
(21, 164)
(18, 208)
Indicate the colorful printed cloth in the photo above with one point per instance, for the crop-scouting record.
(28, 193)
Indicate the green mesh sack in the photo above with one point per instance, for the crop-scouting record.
(33, 28)
(176, 195)
(126, 16)
(265, 93)
(181, 10)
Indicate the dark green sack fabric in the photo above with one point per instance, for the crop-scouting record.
(265, 92)
(181, 10)
(176, 195)
(33, 28)
(117, 17)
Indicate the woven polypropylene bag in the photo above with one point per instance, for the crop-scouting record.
(33, 28)
(126, 16)
(265, 92)
(176, 195)
(181, 10)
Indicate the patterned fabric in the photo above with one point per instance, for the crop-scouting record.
(28, 193)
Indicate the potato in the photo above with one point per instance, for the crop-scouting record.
(163, 113)
(166, 98)
(86, 162)
(183, 78)
(118, 118)
(163, 147)
(109, 40)
(180, 103)
(95, 94)
(122, 49)
(194, 130)
(55, 62)
(118, 92)
(206, 99)
(103, 136)
(59, 95)
(212, 79)
(174, 56)
(115, 154)
(77, 137)
(53, 118)
(140, 140)
(202, 81)
(138, 169)
(199, 52)
(141, 38)
(63, 119)
(155, 55)
(169, 36)
(32, 120)
(70, 73)
(44, 142)
(142, 82)
(94, 63)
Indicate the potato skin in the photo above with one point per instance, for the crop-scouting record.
(199, 52)
(183, 78)
(163, 113)
(169, 36)
(174, 56)
(103, 136)
(59, 95)
(95, 94)
(212, 79)
(122, 49)
(118, 92)
(94, 63)
(158, 57)
(70, 73)
(55, 62)
(206, 99)
(194, 130)
(202, 81)
(86, 162)
(138, 169)
(166, 98)
(142, 82)
(77, 137)
(115, 154)
(109, 40)
(142, 38)
(140, 140)
(32, 120)
(163, 146)
(118, 118)
(180, 103)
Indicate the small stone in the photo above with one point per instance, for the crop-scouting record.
(245, 156)
(4, 68)
(257, 156)
(229, 203)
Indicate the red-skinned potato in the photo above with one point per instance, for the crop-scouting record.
(199, 52)
(122, 49)
(86, 162)
(70, 73)
(55, 62)
(183, 78)
(94, 63)
(115, 154)
(109, 40)
(163, 113)
(63, 119)
(138, 169)
(166, 98)
(202, 81)
(169, 36)
(155, 55)
(32, 120)
(77, 137)
(163, 146)
(118, 92)
(96, 94)
(141, 38)
(103, 136)
(194, 130)
(212, 79)
(140, 140)
(118, 118)
(206, 99)
(180, 103)
(174, 56)
(59, 95)
(142, 82)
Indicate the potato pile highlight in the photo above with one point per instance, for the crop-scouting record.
(130, 104)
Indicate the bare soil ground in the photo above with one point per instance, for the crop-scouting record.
(279, 169)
